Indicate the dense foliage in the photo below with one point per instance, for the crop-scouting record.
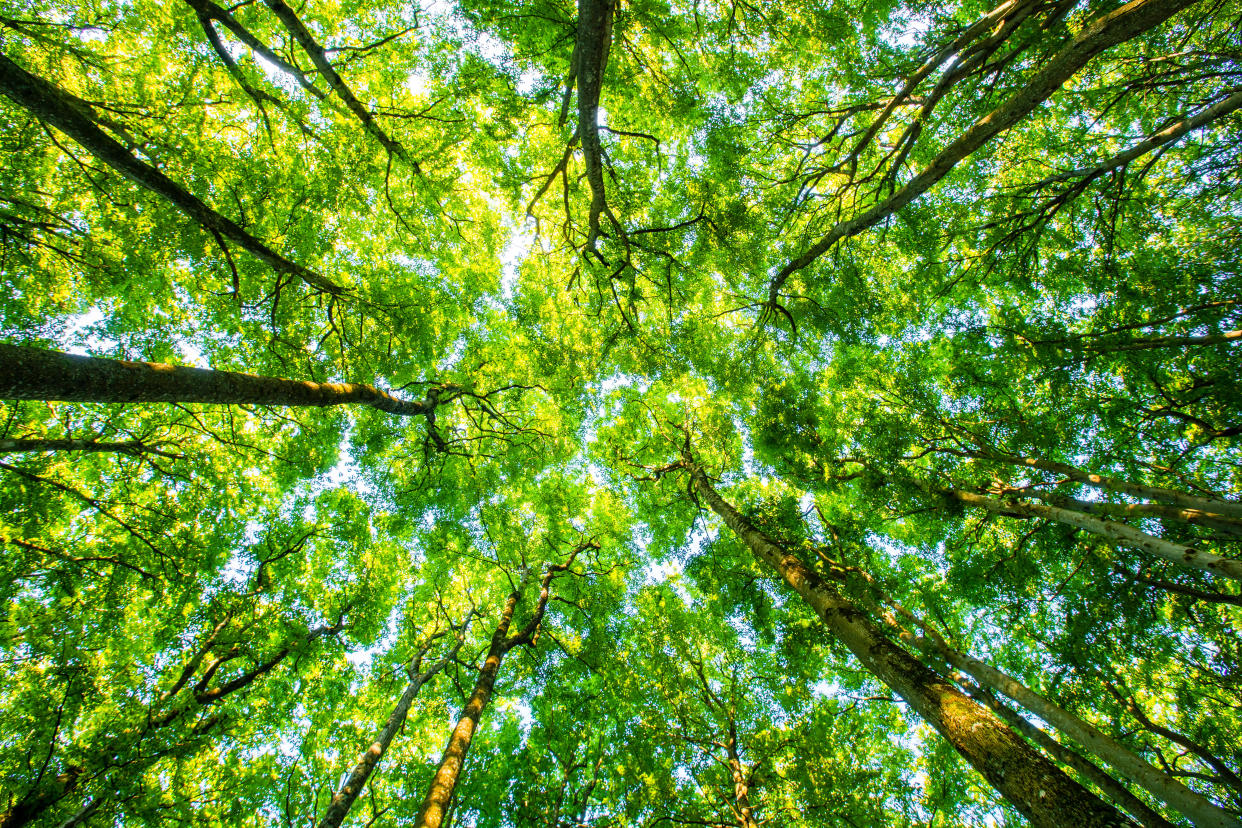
(944, 298)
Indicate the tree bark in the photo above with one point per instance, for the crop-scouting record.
(1104, 32)
(1198, 809)
(440, 793)
(594, 39)
(1115, 533)
(1113, 484)
(28, 373)
(344, 798)
(50, 104)
(207, 10)
(1212, 520)
(34, 444)
(1036, 787)
(1111, 788)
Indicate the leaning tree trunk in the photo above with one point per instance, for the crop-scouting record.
(1100, 744)
(1198, 809)
(28, 373)
(594, 39)
(1035, 786)
(1104, 32)
(1114, 484)
(1118, 534)
(440, 794)
(344, 798)
(1111, 788)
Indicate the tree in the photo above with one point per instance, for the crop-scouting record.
(860, 378)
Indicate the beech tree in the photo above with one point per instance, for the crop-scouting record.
(596, 414)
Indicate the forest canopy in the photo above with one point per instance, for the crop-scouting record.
(601, 414)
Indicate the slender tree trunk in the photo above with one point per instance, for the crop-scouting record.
(1036, 787)
(1154, 342)
(1115, 533)
(307, 41)
(435, 807)
(49, 104)
(83, 814)
(1168, 135)
(1102, 33)
(28, 373)
(1212, 520)
(741, 785)
(594, 39)
(339, 807)
(436, 804)
(1113, 484)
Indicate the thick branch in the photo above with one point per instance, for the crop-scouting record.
(28, 373)
(1104, 32)
(48, 103)
(307, 41)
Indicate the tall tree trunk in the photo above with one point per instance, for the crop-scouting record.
(992, 680)
(1132, 766)
(1111, 788)
(1036, 787)
(34, 444)
(52, 106)
(1112, 484)
(344, 798)
(1165, 511)
(594, 39)
(1115, 533)
(444, 783)
(741, 782)
(28, 373)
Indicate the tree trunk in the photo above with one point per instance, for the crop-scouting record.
(1115, 533)
(1111, 788)
(343, 800)
(440, 794)
(49, 104)
(28, 373)
(1113, 484)
(28, 808)
(1133, 767)
(1212, 520)
(594, 39)
(741, 784)
(1036, 787)
(318, 57)
(435, 806)
(131, 447)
